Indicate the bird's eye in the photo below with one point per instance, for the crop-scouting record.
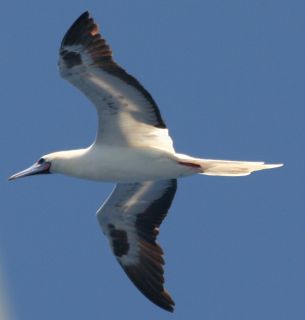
(41, 161)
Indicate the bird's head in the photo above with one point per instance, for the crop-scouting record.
(42, 166)
(64, 162)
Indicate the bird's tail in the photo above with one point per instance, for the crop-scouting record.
(227, 168)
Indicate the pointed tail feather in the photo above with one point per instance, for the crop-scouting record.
(233, 168)
(228, 168)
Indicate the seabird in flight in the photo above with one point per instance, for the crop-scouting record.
(133, 149)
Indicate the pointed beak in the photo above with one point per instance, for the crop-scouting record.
(36, 168)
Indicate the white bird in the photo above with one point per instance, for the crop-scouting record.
(133, 149)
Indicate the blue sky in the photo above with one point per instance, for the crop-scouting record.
(228, 77)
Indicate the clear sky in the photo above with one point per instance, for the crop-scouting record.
(228, 77)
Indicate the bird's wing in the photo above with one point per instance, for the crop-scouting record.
(130, 218)
(128, 115)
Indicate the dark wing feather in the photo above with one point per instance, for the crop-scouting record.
(131, 218)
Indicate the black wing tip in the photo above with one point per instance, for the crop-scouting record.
(170, 306)
(82, 28)
(167, 304)
(83, 17)
(84, 32)
(76, 29)
(150, 284)
(85, 14)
